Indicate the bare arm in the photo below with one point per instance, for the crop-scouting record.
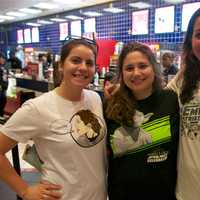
(9, 176)
(7, 172)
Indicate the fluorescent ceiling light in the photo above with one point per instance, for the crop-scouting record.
(33, 24)
(2, 20)
(44, 22)
(73, 17)
(69, 2)
(30, 10)
(174, 1)
(92, 14)
(16, 14)
(6, 17)
(58, 19)
(113, 10)
(46, 6)
(140, 5)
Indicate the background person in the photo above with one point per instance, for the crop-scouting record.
(170, 69)
(186, 85)
(69, 170)
(143, 128)
(3, 83)
(14, 62)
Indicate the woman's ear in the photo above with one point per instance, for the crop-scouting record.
(60, 68)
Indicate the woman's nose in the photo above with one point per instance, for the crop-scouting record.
(136, 71)
(83, 66)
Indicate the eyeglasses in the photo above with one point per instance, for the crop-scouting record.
(71, 38)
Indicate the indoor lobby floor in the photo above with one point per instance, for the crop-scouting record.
(29, 174)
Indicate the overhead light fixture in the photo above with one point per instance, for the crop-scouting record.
(69, 2)
(6, 17)
(2, 20)
(175, 1)
(16, 14)
(58, 19)
(140, 5)
(92, 14)
(30, 10)
(113, 10)
(33, 24)
(44, 22)
(74, 17)
(47, 6)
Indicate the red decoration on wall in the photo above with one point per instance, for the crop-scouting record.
(106, 49)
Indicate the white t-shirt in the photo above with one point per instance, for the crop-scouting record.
(188, 182)
(74, 154)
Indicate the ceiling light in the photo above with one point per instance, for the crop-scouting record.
(113, 10)
(33, 24)
(46, 6)
(2, 20)
(73, 17)
(58, 19)
(92, 14)
(69, 2)
(30, 10)
(44, 22)
(16, 14)
(6, 17)
(140, 5)
(174, 1)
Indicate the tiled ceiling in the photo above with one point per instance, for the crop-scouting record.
(66, 5)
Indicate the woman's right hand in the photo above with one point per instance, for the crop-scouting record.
(42, 191)
(110, 89)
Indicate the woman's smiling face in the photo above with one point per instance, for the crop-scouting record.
(196, 38)
(79, 67)
(138, 74)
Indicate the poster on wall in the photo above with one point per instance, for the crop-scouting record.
(164, 19)
(140, 22)
(63, 30)
(35, 34)
(187, 12)
(90, 25)
(76, 28)
(27, 35)
(20, 37)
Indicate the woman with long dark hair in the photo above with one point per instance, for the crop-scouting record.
(187, 85)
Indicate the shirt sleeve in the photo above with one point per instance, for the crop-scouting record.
(24, 124)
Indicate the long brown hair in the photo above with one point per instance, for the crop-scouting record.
(121, 107)
(191, 73)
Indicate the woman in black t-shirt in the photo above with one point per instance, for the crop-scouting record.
(143, 127)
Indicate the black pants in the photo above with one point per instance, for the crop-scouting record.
(3, 101)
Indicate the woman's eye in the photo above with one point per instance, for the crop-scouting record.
(197, 35)
(90, 63)
(76, 61)
(128, 68)
(143, 66)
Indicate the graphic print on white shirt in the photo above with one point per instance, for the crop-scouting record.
(190, 123)
(86, 128)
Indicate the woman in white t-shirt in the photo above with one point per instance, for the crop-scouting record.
(68, 129)
(187, 85)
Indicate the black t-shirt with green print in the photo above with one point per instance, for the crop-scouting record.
(142, 161)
